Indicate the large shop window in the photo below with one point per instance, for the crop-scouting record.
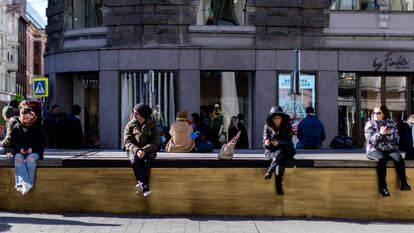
(155, 88)
(361, 93)
(231, 92)
(221, 12)
(295, 104)
(86, 13)
(394, 5)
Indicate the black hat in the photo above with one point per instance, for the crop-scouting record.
(143, 110)
(278, 111)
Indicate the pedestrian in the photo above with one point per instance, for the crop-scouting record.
(50, 124)
(311, 132)
(141, 139)
(278, 145)
(181, 131)
(382, 139)
(243, 141)
(233, 128)
(27, 143)
(69, 133)
(8, 114)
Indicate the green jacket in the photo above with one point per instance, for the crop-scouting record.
(144, 137)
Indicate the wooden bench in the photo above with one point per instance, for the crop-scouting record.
(323, 183)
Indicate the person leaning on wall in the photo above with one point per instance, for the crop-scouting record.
(382, 138)
(141, 139)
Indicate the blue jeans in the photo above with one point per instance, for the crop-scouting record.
(25, 166)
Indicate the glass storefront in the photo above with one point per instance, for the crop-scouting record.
(155, 88)
(229, 94)
(361, 93)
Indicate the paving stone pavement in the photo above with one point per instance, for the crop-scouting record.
(71, 223)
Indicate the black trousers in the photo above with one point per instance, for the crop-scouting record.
(141, 167)
(382, 157)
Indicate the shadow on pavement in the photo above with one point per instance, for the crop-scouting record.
(4, 227)
(47, 221)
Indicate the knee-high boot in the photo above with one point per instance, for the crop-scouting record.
(271, 169)
(280, 170)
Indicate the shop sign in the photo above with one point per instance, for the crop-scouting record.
(390, 61)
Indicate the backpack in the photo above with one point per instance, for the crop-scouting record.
(342, 142)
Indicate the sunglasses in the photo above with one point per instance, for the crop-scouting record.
(377, 113)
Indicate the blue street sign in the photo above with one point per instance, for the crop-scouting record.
(40, 87)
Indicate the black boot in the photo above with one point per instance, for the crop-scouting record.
(279, 189)
(384, 192)
(270, 170)
(405, 187)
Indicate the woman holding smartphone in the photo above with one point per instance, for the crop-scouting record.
(382, 138)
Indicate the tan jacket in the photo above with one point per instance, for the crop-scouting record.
(181, 140)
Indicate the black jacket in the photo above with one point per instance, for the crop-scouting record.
(283, 136)
(30, 136)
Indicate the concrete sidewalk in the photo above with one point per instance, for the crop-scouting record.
(35, 222)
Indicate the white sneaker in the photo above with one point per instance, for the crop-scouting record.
(139, 189)
(146, 192)
(26, 188)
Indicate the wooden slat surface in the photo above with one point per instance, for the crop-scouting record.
(320, 192)
(5, 185)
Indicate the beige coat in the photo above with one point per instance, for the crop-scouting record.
(181, 140)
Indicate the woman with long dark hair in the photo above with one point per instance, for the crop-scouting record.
(277, 141)
(382, 138)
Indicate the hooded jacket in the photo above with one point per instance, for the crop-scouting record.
(181, 140)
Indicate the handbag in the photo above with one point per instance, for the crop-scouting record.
(227, 149)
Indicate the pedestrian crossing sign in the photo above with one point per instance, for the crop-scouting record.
(40, 87)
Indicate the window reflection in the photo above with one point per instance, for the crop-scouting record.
(221, 12)
(395, 96)
(230, 94)
(347, 104)
(86, 13)
(394, 5)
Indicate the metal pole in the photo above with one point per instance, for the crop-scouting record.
(296, 73)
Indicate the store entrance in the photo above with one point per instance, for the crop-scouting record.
(86, 95)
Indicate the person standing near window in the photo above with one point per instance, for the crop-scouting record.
(382, 138)
(141, 138)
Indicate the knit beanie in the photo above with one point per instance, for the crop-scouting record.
(182, 116)
(143, 110)
(8, 112)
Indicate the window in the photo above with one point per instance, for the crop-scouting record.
(347, 104)
(221, 12)
(36, 47)
(394, 5)
(36, 69)
(293, 104)
(227, 93)
(150, 87)
(358, 94)
(86, 13)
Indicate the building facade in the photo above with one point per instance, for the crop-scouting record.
(189, 55)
